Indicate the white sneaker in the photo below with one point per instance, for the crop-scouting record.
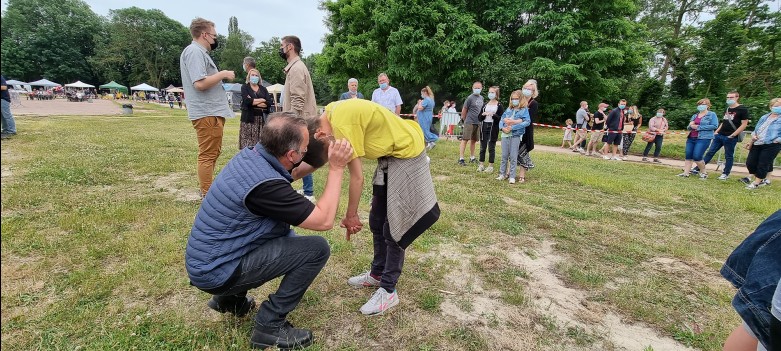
(363, 280)
(311, 198)
(606, 157)
(723, 177)
(624, 158)
(512, 180)
(616, 158)
(703, 175)
(380, 302)
(489, 169)
(500, 177)
(480, 168)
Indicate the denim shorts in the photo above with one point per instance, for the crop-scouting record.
(754, 268)
(695, 148)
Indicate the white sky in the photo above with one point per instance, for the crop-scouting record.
(262, 19)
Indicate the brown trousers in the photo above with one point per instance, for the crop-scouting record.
(209, 132)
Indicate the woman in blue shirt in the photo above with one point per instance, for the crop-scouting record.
(425, 115)
(764, 146)
(701, 128)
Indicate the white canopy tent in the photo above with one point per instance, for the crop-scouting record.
(44, 83)
(79, 84)
(144, 87)
(274, 90)
(15, 82)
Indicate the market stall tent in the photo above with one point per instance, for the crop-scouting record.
(144, 87)
(79, 84)
(44, 83)
(114, 85)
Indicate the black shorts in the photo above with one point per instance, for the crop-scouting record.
(614, 138)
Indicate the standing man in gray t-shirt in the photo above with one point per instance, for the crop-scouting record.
(581, 119)
(470, 115)
(207, 105)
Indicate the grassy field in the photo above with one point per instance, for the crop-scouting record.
(587, 255)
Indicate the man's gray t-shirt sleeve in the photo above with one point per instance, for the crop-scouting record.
(580, 116)
(196, 66)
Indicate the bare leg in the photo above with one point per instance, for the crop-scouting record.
(471, 149)
(740, 340)
(462, 147)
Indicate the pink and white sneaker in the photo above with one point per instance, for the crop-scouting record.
(380, 302)
(363, 280)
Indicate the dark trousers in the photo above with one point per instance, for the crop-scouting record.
(298, 258)
(729, 151)
(486, 133)
(388, 255)
(658, 146)
(760, 159)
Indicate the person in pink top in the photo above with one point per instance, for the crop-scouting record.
(657, 126)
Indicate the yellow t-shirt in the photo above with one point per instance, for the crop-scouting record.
(373, 130)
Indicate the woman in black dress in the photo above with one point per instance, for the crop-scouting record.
(255, 104)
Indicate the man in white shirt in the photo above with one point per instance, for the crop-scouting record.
(387, 95)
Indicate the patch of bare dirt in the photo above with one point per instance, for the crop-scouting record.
(571, 307)
(172, 184)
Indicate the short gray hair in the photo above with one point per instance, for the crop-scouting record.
(382, 75)
(249, 61)
(352, 80)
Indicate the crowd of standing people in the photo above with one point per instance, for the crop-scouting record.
(707, 134)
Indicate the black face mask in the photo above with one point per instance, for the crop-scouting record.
(282, 54)
(214, 44)
(317, 152)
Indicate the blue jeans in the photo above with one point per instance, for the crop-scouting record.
(729, 151)
(510, 146)
(9, 126)
(754, 269)
(309, 185)
(695, 148)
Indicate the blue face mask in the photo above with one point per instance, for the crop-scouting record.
(383, 86)
(422, 96)
(776, 109)
(254, 79)
(659, 114)
(476, 91)
(622, 106)
(526, 92)
(730, 102)
(492, 96)
(515, 102)
(702, 107)
(629, 112)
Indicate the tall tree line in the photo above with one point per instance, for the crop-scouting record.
(655, 53)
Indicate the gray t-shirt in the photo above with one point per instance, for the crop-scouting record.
(473, 105)
(580, 117)
(196, 64)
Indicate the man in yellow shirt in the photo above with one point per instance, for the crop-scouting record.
(404, 203)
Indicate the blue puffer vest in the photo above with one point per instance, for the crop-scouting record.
(224, 229)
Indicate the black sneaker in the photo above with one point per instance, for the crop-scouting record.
(695, 170)
(239, 307)
(473, 160)
(284, 337)
(745, 180)
(461, 162)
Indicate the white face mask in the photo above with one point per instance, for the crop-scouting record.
(526, 92)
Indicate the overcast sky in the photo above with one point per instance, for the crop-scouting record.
(262, 19)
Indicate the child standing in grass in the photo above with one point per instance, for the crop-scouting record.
(567, 134)
(513, 134)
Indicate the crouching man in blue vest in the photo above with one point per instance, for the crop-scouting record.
(242, 239)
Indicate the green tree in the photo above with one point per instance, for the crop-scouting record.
(49, 39)
(143, 46)
(237, 46)
(268, 62)
(323, 92)
(434, 43)
(577, 53)
(721, 41)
